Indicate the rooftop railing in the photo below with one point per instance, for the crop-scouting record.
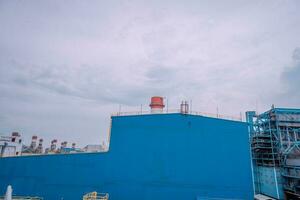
(174, 111)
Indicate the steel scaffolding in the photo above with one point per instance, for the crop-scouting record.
(275, 140)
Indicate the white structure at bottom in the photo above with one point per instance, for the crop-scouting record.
(8, 194)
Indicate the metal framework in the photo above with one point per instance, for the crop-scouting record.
(275, 142)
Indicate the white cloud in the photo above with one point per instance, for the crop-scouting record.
(76, 61)
(291, 80)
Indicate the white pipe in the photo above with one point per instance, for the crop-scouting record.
(252, 167)
(8, 195)
(276, 182)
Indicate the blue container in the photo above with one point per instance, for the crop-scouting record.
(160, 156)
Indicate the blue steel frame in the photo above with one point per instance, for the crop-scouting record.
(275, 136)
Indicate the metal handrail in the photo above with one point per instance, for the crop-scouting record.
(174, 111)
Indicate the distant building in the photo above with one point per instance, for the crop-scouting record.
(11, 145)
(33, 148)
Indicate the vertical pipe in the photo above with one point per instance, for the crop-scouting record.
(274, 169)
(167, 104)
(119, 109)
(249, 119)
(288, 137)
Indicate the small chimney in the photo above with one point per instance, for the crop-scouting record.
(33, 142)
(15, 137)
(64, 144)
(40, 146)
(53, 145)
(157, 104)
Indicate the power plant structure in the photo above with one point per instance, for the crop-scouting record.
(170, 154)
(275, 139)
(11, 146)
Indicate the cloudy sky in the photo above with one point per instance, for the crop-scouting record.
(65, 66)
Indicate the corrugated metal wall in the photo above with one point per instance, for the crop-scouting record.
(266, 183)
(161, 156)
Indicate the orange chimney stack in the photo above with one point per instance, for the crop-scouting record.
(157, 104)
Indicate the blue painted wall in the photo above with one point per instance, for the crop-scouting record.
(162, 156)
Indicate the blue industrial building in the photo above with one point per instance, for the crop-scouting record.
(154, 156)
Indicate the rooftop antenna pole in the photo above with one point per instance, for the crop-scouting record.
(167, 104)
(120, 109)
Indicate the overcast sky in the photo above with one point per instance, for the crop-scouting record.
(65, 66)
